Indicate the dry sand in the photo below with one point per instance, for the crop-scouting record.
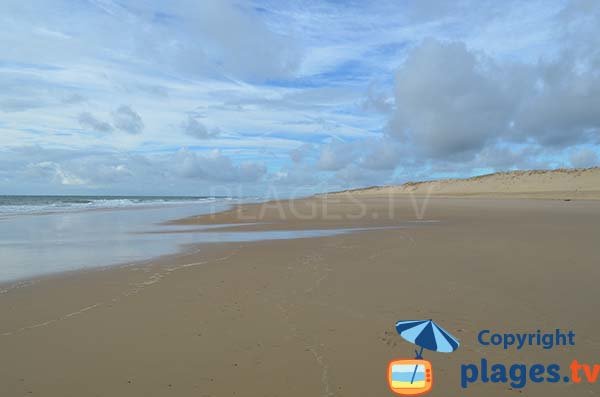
(315, 317)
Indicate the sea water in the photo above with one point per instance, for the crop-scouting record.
(50, 234)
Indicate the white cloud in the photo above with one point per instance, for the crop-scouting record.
(335, 156)
(127, 120)
(301, 152)
(196, 129)
(216, 167)
(452, 102)
(55, 172)
(380, 154)
(448, 100)
(88, 120)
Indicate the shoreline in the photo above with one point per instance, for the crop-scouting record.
(134, 207)
(219, 218)
(34, 245)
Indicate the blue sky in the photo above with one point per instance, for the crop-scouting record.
(188, 97)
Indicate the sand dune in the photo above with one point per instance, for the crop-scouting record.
(560, 184)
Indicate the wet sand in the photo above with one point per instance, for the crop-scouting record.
(314, 316)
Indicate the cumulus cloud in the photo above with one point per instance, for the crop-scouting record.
(216, 167)
(452, 102)
(335, 156)
(196, 129)
(88, 120)
(54, 172)
(375, 153)
(563, 109)
(86, 171)
(127, 120)
(380, 154)
(297, 176)
(448, 101)
(301, 152)
(378, 100)
(124, 119)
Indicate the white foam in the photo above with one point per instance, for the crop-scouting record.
(94, 204)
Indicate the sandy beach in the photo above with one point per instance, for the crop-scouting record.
(255, 198)
(314, 316)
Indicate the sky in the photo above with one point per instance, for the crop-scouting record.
(272, 98)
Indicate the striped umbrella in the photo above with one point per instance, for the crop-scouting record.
(426, 334)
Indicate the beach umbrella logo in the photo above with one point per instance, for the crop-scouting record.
(415, 376)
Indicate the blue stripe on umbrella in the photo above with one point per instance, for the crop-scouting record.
(403, 325)
(426, 338)
(412, 330)
(427, 334)
(454, 343)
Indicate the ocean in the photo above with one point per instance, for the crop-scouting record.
(16, 205)
(42, 235)
(49, 234)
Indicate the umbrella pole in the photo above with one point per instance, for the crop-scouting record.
(419, 356)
